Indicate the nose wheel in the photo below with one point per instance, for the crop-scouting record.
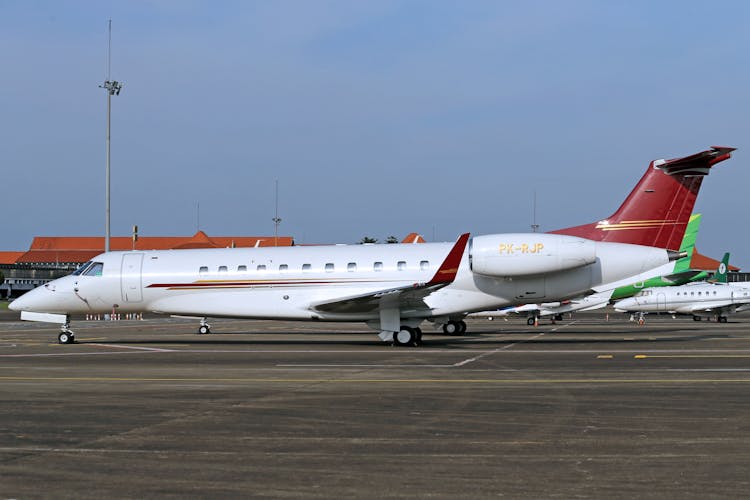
(205, 328)
(66, 335)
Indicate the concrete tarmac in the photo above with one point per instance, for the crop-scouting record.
(580, 409)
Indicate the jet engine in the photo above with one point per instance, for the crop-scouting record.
(507, 255)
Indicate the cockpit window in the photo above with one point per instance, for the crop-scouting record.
(81, 269)
(95, 269)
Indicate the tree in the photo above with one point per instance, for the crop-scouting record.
(367, 239)
(391, 239)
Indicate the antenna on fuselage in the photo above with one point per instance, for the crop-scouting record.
(534, 225)
(276, 219)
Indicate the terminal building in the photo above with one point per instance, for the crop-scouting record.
(51, 257)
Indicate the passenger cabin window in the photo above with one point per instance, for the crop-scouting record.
(261, 268)
(377, 266)
(329, 267)
(241, 269)
(424, 265)
(351, 267)
(401, 266)
(95, 269)
(203, 270)
(306, 268)
(222, 269)
(283, 268)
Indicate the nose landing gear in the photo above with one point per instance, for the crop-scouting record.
(66, 335)
(205, 328)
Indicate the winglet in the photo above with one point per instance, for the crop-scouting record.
(449, 268)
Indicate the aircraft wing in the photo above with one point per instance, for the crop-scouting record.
(408, 297)
(711, 306)
(681, 277)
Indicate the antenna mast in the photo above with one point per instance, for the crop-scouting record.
(276, 219)
(112, 88)
(534, 225)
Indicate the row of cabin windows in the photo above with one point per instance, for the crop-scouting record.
(707, 293)
(351, 267)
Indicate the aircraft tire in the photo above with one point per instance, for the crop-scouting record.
(418, 335)
(530, 321)
(405, 336)
(722, 319)
(451, 328)
(204, 330)
(461, 327)
(696, 318)
(66, 338)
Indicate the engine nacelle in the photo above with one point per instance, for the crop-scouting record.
(519, 254)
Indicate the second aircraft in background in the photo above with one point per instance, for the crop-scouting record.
(715, 298)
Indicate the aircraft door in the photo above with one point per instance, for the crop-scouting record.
(130, 277)
(661, 302)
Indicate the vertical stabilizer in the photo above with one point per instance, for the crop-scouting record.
(657, 210)
(688, 243)
(721, 271)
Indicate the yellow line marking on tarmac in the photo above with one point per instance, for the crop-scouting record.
(205, 380)
(605, 356)
(644, 356)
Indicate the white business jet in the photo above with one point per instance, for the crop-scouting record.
(715, 298)
(393, 288)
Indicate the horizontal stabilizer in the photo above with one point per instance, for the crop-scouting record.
(697, 164)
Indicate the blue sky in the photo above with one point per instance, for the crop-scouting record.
(377, 118)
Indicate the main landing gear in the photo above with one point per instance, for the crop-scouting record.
(205, 328)
(454, 327)
(407, 336)
(66, 335)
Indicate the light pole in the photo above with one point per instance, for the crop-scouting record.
(113, 88)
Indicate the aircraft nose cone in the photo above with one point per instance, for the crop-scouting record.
(31, 300)
(624, 304)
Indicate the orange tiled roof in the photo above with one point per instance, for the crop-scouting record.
(83, 248)
(198, 240)
(9, 257)
(703, 263)
(413, 238)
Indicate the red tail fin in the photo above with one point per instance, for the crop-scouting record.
(656, 212)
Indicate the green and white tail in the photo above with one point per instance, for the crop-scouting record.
(721, 272)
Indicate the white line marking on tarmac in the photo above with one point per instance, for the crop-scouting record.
(334, 365)
(137, 348)
(51, 354)
(505, 348)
